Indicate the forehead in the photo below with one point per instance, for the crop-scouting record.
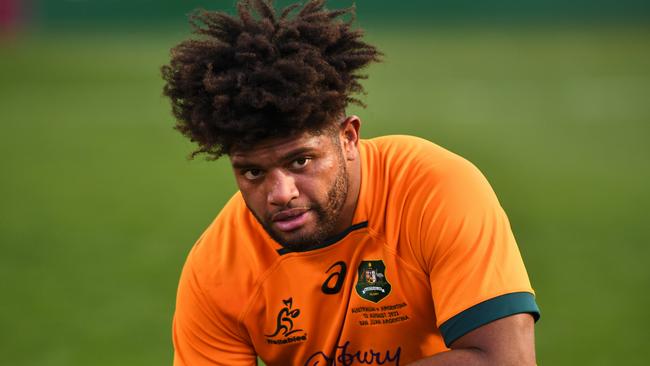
(278, 148)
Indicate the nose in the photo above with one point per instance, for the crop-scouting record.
(282, 188)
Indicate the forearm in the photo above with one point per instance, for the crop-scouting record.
(464, 357)
(508, 341)
(469, 357)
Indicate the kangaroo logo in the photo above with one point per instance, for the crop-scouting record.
(284, 321)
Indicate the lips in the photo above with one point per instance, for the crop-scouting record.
(291, 219)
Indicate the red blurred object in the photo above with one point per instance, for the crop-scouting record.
(10, 15)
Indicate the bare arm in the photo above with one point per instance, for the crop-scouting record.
(504, 342)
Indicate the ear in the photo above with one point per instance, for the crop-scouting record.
(349, 135)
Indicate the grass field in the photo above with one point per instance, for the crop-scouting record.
(100, 206)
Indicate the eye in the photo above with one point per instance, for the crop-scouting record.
(300, 162)
(252, 174)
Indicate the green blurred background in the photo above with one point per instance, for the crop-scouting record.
(100, 205)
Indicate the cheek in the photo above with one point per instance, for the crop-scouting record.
(327, 166)
(320, 179)
(253, 196)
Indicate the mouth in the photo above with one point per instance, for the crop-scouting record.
(290, 220)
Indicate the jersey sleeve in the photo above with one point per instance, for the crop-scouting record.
(467, 247)
(203, 334)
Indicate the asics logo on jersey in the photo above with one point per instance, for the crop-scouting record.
(331, 289)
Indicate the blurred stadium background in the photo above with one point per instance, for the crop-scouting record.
(551, 99)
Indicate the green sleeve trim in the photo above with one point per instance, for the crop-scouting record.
(488, 311)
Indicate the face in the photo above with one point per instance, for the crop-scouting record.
(298, 188)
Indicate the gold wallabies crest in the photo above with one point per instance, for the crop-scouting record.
(372, 283)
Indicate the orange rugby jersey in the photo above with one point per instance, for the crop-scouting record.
(429, 257)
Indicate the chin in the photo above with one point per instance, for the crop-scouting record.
(298, 239)
(307, 236)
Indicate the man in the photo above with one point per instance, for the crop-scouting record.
(335, 250)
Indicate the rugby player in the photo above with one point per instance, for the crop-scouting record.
(336, 250)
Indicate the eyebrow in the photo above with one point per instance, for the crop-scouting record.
(284, 158)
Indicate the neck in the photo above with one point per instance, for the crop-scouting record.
(354, 189)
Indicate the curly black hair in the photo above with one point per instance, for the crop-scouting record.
(261, 75)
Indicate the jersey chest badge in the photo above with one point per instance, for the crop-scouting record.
(372, 284)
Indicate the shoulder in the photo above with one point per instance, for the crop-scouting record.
(221, 239)
(416, 189)
(228, 258)
(414, 158)
(215, 286)
(411, 165)
(404, 148)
